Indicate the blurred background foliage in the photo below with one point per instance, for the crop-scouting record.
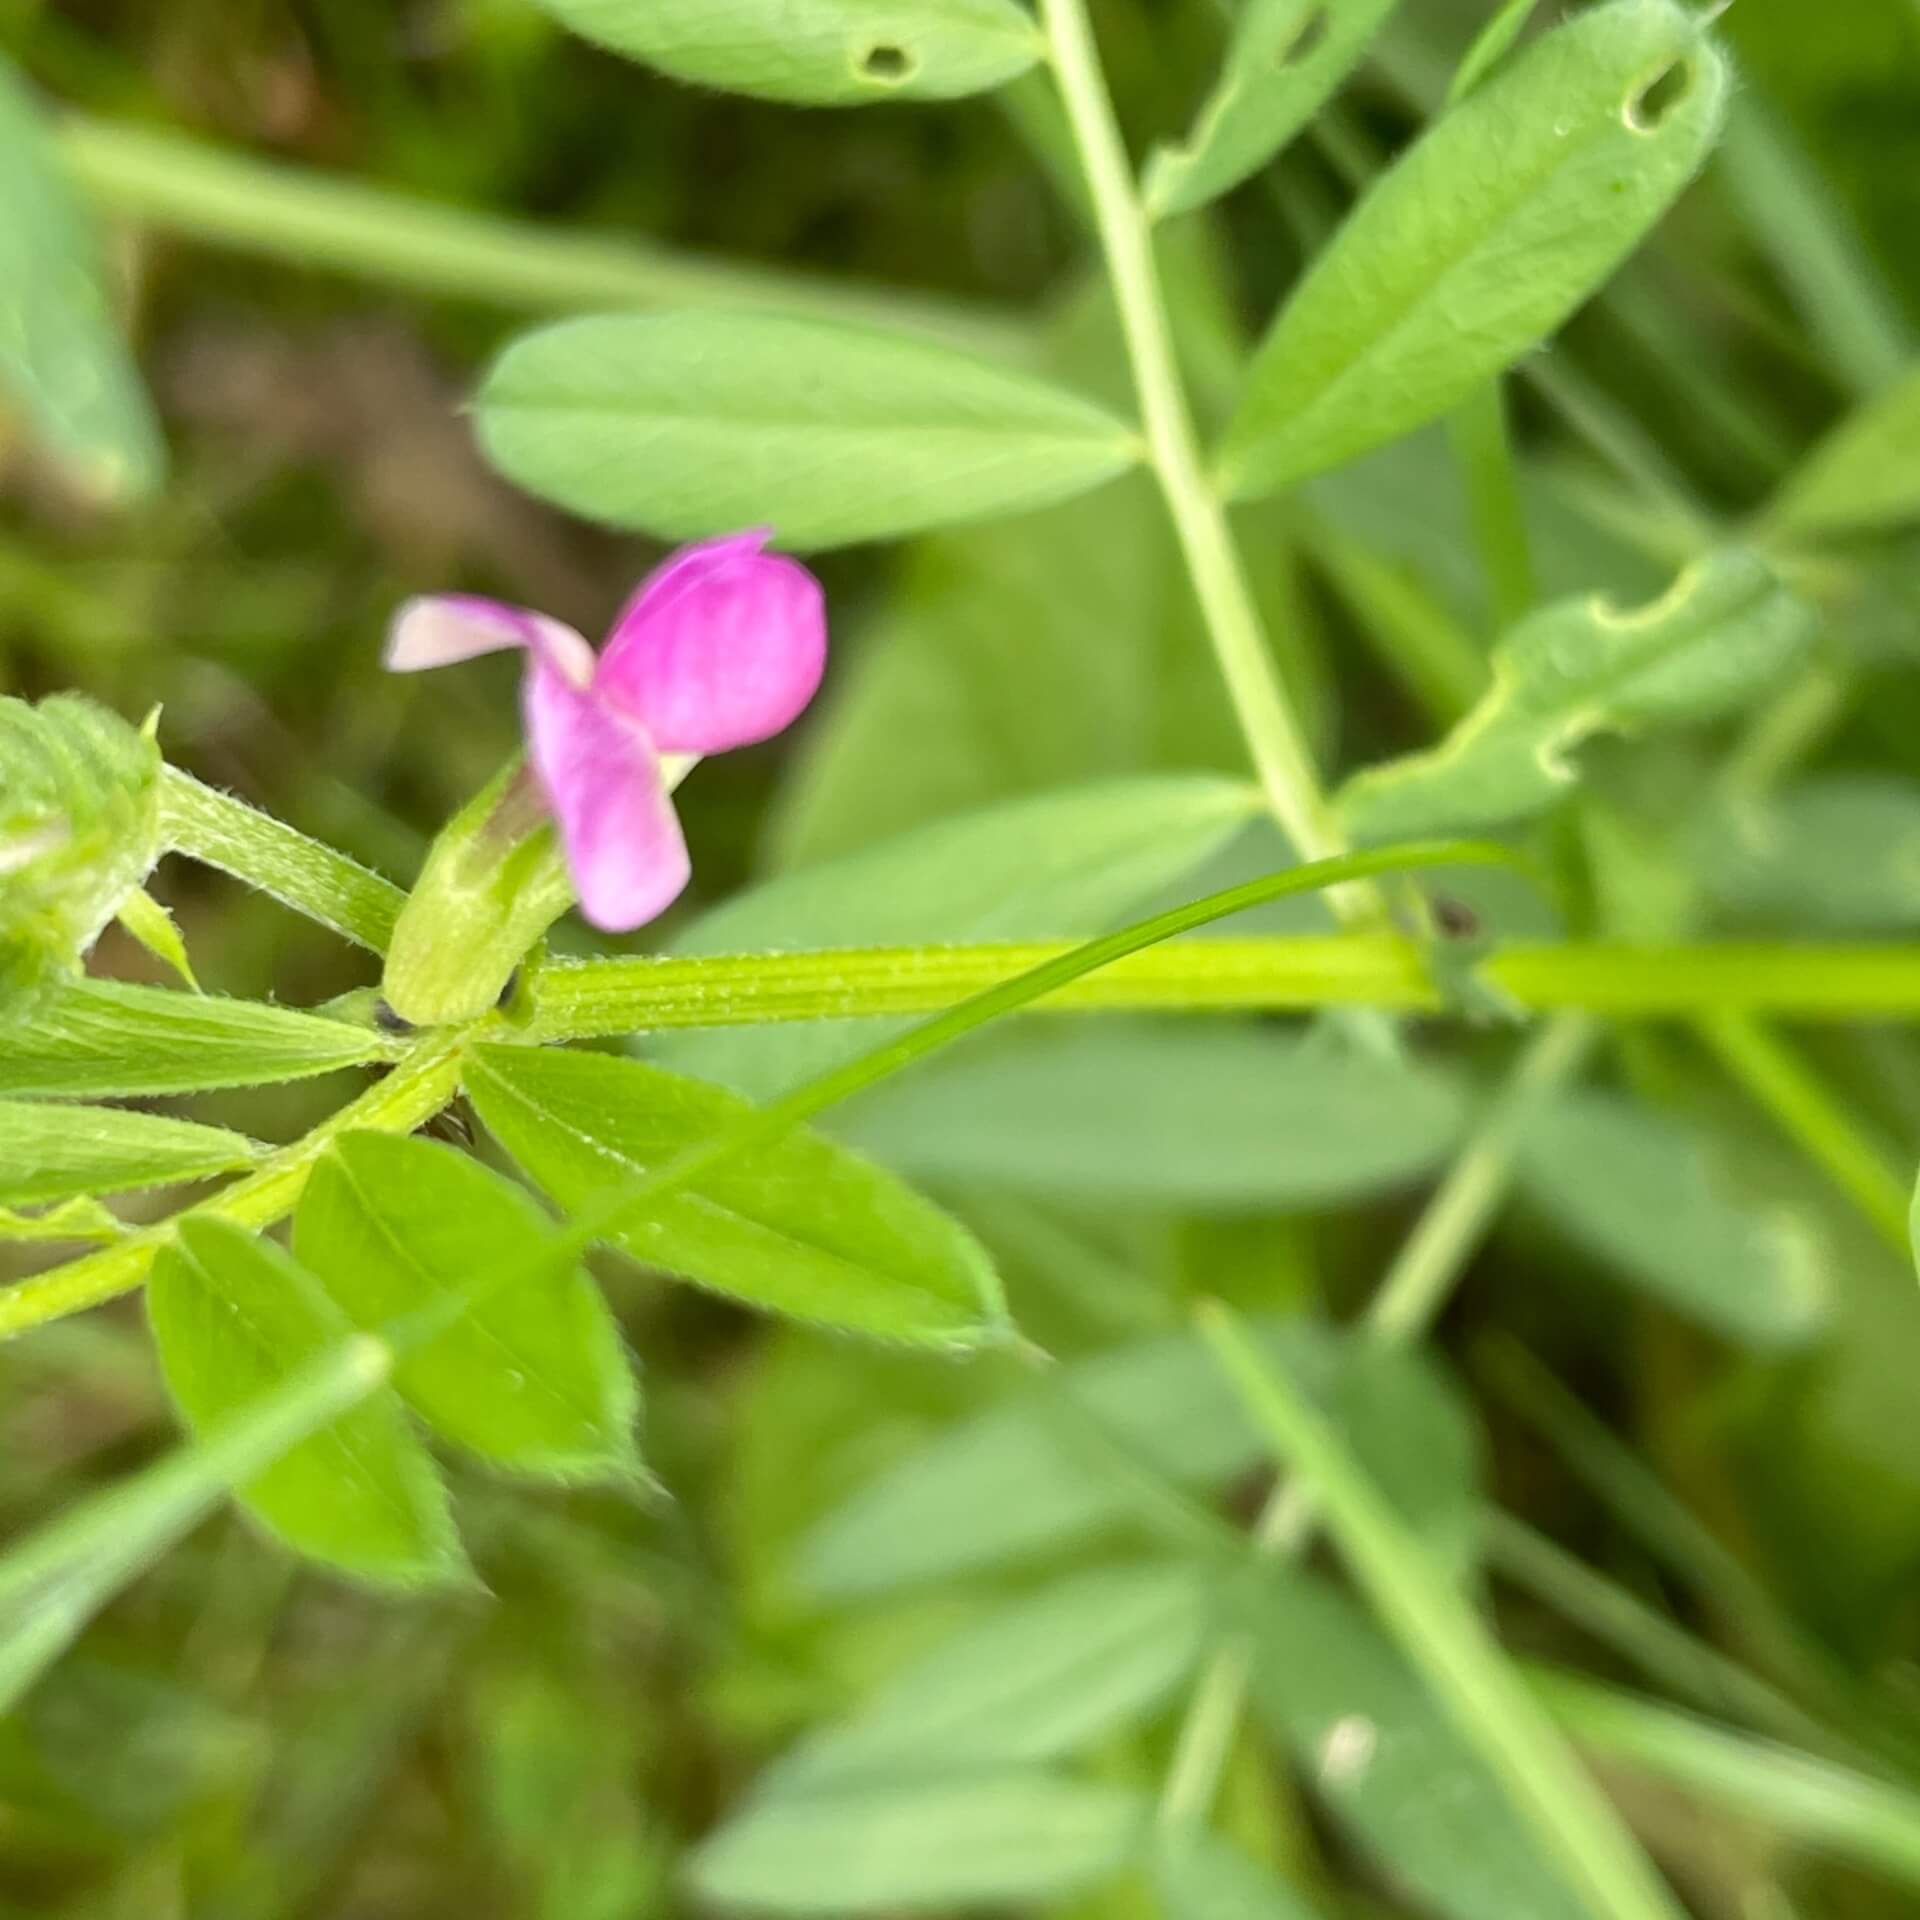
(244, 1737)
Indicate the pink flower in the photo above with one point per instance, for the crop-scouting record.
(721, 646)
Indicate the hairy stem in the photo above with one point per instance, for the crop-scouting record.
(220, 831)
(596, 999)
(1275, 739)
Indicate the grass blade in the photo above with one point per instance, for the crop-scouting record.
(1471, 1678)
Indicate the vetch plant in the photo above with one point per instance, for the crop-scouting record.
(1060, 1274)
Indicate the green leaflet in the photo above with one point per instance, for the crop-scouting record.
(1039, 1678)
(1481, 240)
(1834, 851)
(1864, 476)
(691, 423)
(1490, 47)
(796, 1226)
(533, 1378)
(1199, 1877)
(1285, 60)
(79, 832)
(235, 1319)
(1385, 1761)
(1725, 630)
(1010, 659)
(1056, 864)
(1724, 1256)
(1007, 1485)
(60, 1152)
(99, 1038)
(819, 52)
(1185, 1114)
(145, 920)
(1000, 1837)
(62, 358)
(56, 1579)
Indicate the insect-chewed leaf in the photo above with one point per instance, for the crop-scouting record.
(1482, 239)
(1690, 1236)
(1725, 630)
(1387, 1761)
(61, 354)
(1058, 865)
(1007, 1485)
(691, 423)
(820, 52)
(532, 1378)
(234, 1319)
(79, 825)
(1003, 1837)
(796, 1226)
(1286, 58)
(50, 1152)
(1838, 850)
(100, 1038)
(1864, 475)
(1036, 1680)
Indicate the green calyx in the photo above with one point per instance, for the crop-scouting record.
(494, 882)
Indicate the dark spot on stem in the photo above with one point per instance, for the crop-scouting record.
(388, 1021)
(1454, 919)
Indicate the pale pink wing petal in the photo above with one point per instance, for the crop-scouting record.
(723, 646)
(438, 629)
(602, 780)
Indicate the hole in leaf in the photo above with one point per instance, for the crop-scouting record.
(1305, 43)
(1647, 109)
(887, 64)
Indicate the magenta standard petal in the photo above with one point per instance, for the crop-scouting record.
(602, 780)
(439, 629)
(723, 646)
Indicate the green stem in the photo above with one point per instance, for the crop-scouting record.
(597, 999)
(1692, 1668)
(228, 199)
(1793, 1797)
(1782, 1083)
(220, 831)
(1448, 1233)
(1784, 733)
(409, 1096)
(1275, 739)
(1485, 451)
